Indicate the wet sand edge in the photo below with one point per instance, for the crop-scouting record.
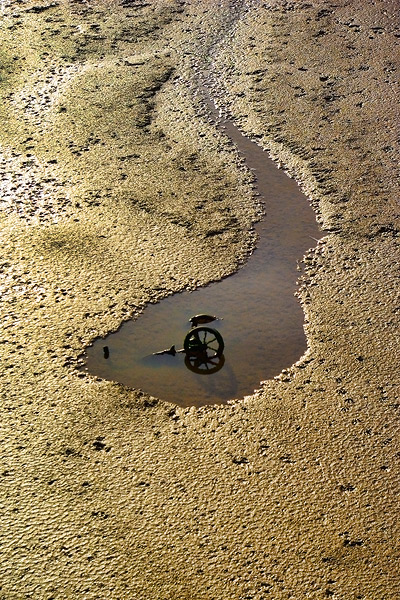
(290, 490)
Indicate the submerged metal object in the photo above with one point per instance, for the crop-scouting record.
(202, 319)
(204, 341)
(203, 348)
(172, 351)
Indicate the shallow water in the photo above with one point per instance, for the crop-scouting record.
(262, 322)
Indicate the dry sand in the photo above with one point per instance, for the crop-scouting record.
(116, 190)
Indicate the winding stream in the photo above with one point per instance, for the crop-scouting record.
(262, 322)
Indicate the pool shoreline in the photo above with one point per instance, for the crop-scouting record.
(259, 297)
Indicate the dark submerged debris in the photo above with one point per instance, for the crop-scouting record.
(201, 319)
(171, 351)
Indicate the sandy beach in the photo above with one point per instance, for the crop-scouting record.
(117, 190)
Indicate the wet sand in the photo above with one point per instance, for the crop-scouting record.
(108, 492)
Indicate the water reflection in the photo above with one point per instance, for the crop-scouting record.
(204, 365)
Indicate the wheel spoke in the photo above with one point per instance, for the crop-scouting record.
(204, 341)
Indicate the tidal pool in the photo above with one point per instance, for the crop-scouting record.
(262, 324)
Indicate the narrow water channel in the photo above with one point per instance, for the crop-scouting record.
(262, 324)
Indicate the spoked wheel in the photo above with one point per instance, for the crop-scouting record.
(204, 341)
(203, 365)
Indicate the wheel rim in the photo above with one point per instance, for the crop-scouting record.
(204, 340)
